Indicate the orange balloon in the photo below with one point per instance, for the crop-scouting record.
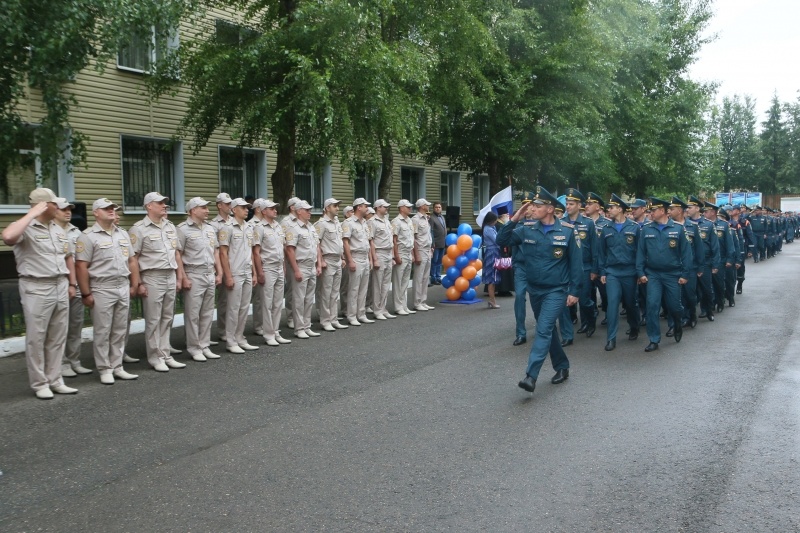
(464, 243)
(453, 293)
(447, 262)
(477, 264)
(453, 251)
(461, 284)
(469, 272)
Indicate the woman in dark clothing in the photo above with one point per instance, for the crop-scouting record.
(490, 252)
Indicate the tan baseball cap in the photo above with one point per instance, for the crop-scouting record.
(154, 197)
(224, 198)
(293, 201)
(380, 202)
(360, 201)
(102, 203)
(422, 201)
(302, 204)
(43, 194)
(331, 201)
(236, 202)
(270, 203)
(195, 202)
(63, 203)
(404, 203)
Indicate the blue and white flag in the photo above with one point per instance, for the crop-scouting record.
(504, 198)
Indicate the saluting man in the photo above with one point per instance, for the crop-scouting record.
(552, 256)
(403, 237)
(155, 244)
(423, 249)
(108, 275)
(199, 248)
(383, 243)
(236, 243)
(46, 283)
(268, 252)
(329, 283)
(664, 263)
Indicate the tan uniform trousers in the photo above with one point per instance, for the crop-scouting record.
(72, 352)
(238, 305)
(357, 292)
(272, 300)
(303, 294)
(328, 287)
(198, 309)
(422, 274)
(222, 306)
(381, 279)
(45, 304)
(288, 290)
(258, 306)
(112, 303)
(400, 276)
(370, 281)
(159, 310)
(344, 288)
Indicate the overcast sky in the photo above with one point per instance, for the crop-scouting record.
(757, 51)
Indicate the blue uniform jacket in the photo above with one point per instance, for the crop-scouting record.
(551, 260)
(664, 250)
(587, 233)
(698, 248)
(727, 250)
(708, 235)
(618, 249)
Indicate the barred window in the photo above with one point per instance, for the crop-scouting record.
(365, 184)
(411, 184)
(450, 188)
(141, 52)
(308, 185)
(147, 165)
(238, 172)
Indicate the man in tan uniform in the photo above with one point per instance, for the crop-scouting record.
(46, 283)
(303, 254)
(423, 249)
(236, 243)
(197, 243)
(258, 289)
(345, 284)
(155, 244)
(403, 232)
(126, 358)
(223, 217)
(288, 289)
(383, 243)
(71, 364)
(357, 254)
(329, 283)
(372, 262)
(269, 253)
(107, 275)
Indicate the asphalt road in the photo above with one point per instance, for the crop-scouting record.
(417, 424)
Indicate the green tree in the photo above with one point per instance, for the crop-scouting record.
(792, 169)
(46, 43)
(738, 140)
(774, 148)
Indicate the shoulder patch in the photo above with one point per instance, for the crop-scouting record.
(134, 238)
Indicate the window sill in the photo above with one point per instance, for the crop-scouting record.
(10, 209)
(131, 70)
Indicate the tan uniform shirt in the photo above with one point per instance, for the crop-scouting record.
(196, 243)
(304, 239)
(422, 231)
(217, 222)
(403, 228)
(272, 240)
(106, 252)
(155, 244)
(42, 250)
(239, 240)
(381, 230)
(329, 231)
(358, 232)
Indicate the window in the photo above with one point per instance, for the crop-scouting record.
(311, 185)
(480, 192)
(231, 34)
(450, 188)
(151, 165)
(141, 53)
(365, 184)
(242, 172)
(25, 174)
(412, 183)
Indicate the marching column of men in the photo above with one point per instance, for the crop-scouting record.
(654, 258)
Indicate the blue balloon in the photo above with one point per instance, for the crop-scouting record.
(469, 295)
(476, 241)
(451, 239)
(472, 254)
(447, 282)
(474, 282)
(453, 273)
(461, 262)
(464, 229)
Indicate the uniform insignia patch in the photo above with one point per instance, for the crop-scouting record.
(174, 243)
(223, 234)
(558, 253)
(568, 225)
(703, 234)
(673, 243)
(79, 247)
(125, 252)
(133, 238)
(582, 235)
(629, 239)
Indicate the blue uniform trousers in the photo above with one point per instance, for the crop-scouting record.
(689, 301)
(760, 253)
(705, 291)
(548, 305)
(719, 286)
(588, 309)
(730, 282)
(662, 284)
(520, 292)
(621, 289)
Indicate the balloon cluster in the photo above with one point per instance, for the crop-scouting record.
(462, 264)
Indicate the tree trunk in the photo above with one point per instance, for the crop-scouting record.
(495, 177)
(283, 177)
(387, 170)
